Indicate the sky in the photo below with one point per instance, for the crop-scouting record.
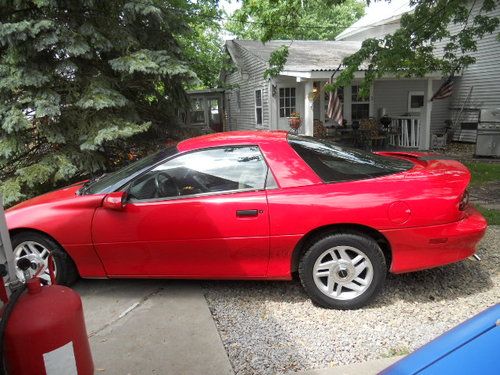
(229, 6)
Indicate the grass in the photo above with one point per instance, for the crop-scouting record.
(483, 172)
(393, 352)
(491, 215)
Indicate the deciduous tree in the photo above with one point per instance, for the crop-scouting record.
(438, 35)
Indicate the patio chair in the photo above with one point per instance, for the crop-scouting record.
(370, 134)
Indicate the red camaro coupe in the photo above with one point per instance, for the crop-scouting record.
(258, 205)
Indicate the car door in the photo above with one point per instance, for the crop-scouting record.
(200, 214)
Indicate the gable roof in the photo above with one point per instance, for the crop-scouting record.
(377, 14)
(303, 56)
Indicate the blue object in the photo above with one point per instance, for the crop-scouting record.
(472, 347)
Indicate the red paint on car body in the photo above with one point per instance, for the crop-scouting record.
(201, 237)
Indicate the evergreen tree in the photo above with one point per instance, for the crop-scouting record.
(80, 81)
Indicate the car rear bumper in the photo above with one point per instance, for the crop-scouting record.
(419, 248)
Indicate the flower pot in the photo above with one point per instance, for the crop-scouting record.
(294, 122)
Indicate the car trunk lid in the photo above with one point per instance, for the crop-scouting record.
(442, 182)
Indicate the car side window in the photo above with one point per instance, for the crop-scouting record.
(224, 169)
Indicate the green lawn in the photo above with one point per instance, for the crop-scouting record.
(482, 173)
(492, 216)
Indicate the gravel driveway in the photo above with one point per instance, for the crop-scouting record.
(272, 327)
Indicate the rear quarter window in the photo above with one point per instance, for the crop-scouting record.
(334, 163)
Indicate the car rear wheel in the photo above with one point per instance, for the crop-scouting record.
(37, 247)
(343, 270)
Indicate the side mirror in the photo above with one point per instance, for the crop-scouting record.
(115, 201)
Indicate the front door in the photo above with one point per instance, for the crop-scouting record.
(201, 214)
(290, 99)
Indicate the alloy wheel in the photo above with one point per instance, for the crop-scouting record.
(36, 253)
(343, 272)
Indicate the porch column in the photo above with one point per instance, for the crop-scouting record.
(308, 109)
(272, 94)
(425, 118)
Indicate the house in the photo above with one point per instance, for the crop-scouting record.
(478, 86)
(253, 102)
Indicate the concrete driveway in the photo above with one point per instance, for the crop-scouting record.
(163, 327)
(151, 327)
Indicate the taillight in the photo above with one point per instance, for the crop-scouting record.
(464, 201)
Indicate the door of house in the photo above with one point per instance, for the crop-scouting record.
(290, 99)
(214, 114)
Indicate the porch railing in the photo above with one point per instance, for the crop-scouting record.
(405, 131)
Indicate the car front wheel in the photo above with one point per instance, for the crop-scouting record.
(343, 270)
(37, 248)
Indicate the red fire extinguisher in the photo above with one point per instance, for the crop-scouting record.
(44, 331)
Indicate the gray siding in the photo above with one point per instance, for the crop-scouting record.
(393, 96)
(242, 116)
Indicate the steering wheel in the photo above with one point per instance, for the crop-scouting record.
(203, 187)
(165, 185)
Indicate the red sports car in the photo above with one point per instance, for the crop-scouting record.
(258, 205)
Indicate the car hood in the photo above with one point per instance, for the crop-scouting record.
(63, 194)
(47, 211)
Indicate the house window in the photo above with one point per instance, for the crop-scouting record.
(360, 106)
(258, 107)
(197, 111)
(340, 94)
(415, 101)
(287, 101)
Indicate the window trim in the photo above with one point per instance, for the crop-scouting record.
(415, 93)
(126, 187)
(202, 101)
(256, 107)
(292, 108)
(365, 102)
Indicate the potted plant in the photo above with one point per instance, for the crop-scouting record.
(294, 120)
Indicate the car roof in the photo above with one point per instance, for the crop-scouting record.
(232, 138)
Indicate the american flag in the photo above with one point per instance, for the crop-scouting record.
(334, 110)
(445, 91)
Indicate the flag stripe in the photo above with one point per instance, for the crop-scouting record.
(334, 110)
(445, 91)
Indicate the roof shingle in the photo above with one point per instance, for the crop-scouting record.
(304, 55)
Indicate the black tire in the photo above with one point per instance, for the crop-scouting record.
(365, 245)
(66, 271)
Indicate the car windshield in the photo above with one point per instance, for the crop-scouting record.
(334, 163)
(110, 182)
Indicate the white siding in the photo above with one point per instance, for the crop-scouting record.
(379, 31)
(243, 118)
(484, 75)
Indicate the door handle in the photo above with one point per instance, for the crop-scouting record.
(246, 213)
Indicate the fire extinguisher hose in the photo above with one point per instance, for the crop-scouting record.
(9, 307)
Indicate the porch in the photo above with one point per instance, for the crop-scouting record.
(405, 103)
(206, 112)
